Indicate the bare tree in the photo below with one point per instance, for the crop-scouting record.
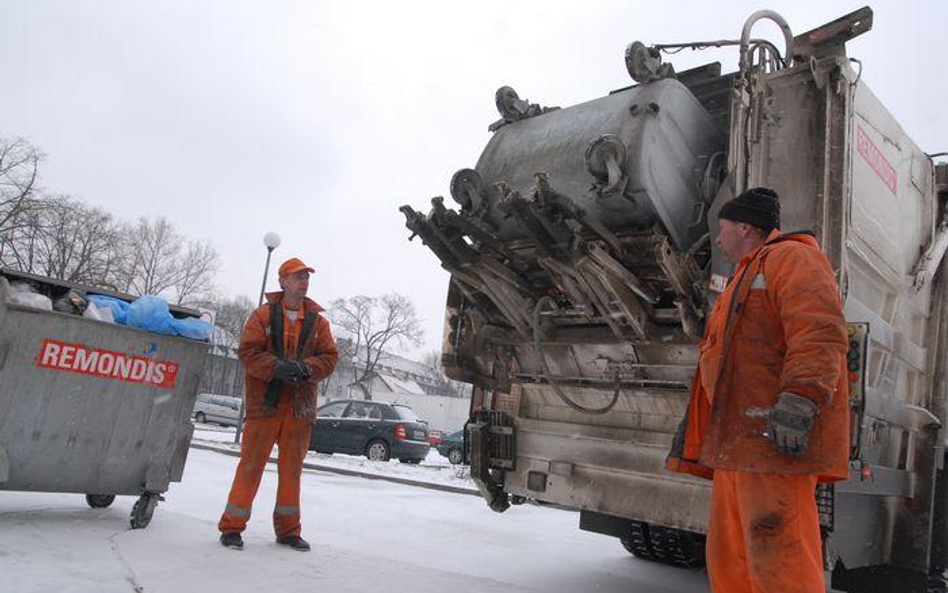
(78, 243)
(19, 243)
(19, 170)
(64, 238)
(231, 314)
(196, 270)
(153, 247)
(374, 324)
(159, 262)
(449, 386)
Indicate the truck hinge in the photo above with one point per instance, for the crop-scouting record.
(928, 263)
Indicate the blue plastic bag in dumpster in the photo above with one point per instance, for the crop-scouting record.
(190, 327)
(151, 313)
(119, 307)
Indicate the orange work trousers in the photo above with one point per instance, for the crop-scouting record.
(292, 437)
(764, 534)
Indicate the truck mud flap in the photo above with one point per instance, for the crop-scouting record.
(492, 440)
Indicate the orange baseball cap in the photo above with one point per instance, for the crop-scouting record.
(292, 266)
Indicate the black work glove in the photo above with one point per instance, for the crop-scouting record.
(789, 423)
(302, 371)
(287, 371)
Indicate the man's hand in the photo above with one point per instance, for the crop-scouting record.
(290, 371)
(790, 422)
(303, 371)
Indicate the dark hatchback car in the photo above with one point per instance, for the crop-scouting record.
(377, 430)
(452, 447)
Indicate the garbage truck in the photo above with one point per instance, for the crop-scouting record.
(583, 265)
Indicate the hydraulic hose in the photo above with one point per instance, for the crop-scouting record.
(547, 375)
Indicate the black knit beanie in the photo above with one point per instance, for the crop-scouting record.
(758, 206)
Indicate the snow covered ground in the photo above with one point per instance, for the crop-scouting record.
(367, 535)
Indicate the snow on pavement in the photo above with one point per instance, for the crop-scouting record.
(367, 535)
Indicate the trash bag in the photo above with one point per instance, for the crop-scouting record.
(17, 287)
(73, 302)
(151, 313)
(190, 327)
(119, 307)
(25, 294)
(30, 299)
(99, 314)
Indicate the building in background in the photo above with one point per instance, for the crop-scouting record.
(399, 380)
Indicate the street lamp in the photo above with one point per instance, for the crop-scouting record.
(271, 241)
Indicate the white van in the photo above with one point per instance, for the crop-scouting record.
(222, 409)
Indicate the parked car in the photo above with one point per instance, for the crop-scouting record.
(222, 409)
(435, 436)
(452, 447)
(377, 430)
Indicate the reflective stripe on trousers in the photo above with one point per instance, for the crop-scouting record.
(236, 511)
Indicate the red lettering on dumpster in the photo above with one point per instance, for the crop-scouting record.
(108, 364)
(877, 161)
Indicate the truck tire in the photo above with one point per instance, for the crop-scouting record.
(677, 547)
(664, 544)
(456, 456)
(636, 541)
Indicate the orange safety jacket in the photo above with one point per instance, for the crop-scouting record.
(778, 327)
(256, 354)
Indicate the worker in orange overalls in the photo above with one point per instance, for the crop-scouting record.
(768, 416)
(286, 349)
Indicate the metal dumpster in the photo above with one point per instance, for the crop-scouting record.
(92, 407)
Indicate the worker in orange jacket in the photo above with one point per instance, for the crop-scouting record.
(768, 416)
(286, 349)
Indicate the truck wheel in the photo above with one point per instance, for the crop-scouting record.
(677, 547)
(199, 417)
(99, 501)
(636, 541)
(143, 510)
(377, 450)
(665, 545)
(455, 457)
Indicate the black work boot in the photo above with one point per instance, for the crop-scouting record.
(232, 539)
(294, 541)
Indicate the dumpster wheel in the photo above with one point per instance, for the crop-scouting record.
(665, 545)
(99, 501)
(143, 510)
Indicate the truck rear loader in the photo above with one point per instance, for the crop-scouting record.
(583, 266)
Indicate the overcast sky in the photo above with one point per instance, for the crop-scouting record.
(317, 120)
